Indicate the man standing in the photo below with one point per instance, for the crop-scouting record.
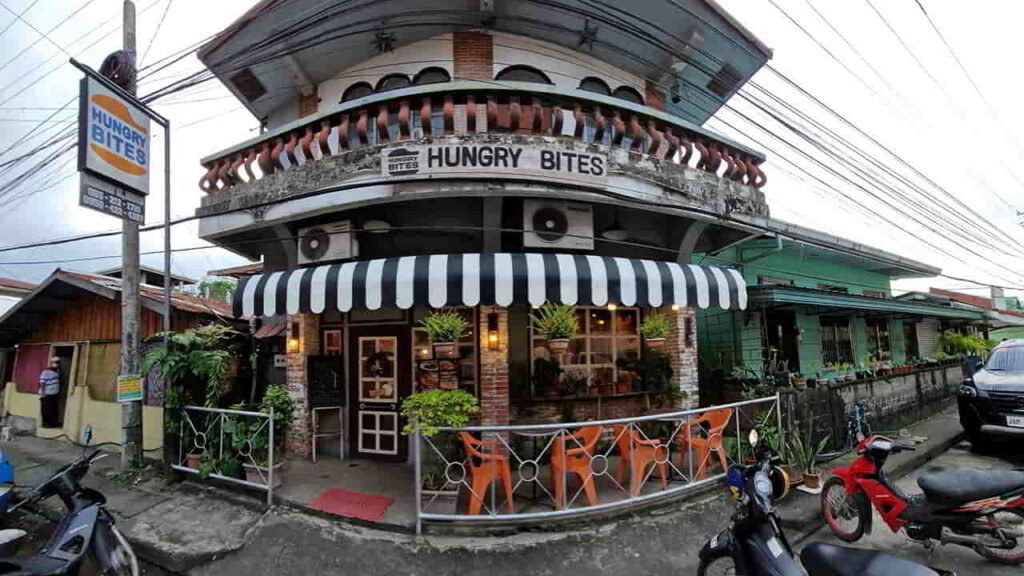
(49, 394)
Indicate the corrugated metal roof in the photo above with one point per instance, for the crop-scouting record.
(179, 300)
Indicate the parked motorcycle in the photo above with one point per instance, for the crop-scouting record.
(755, 545)
(979, 509)
(86, 528)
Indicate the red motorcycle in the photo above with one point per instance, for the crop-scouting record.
(979, 509)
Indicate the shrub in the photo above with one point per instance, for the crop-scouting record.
(555, 322)
(428, 411)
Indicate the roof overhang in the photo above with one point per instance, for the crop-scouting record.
(820, 298)
(695, 39)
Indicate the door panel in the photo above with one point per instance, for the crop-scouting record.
(380, 374)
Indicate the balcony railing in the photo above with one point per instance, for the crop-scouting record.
(535, 473)
(474, 107)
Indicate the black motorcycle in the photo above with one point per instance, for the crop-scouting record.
(755, 545)
(87, 528)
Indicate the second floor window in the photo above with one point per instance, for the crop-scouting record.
(836, 342)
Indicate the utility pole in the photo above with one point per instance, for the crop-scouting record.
(131, 412)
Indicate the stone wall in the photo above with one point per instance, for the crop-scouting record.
(891, 402)
(308, 326)
(682, 349)
(494, 400)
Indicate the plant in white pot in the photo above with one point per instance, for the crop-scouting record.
(557, 324)
(425, 413)
(444, 330)
(655, 330)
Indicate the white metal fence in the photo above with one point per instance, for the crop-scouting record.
(536, 472)
(230, 445)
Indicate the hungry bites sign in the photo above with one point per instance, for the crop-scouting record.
(113, 138)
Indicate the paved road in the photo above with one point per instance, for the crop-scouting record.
(957, 558)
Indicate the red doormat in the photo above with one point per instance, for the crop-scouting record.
(367, 507)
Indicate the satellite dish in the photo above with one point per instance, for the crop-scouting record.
(550, 224)
(315, 243)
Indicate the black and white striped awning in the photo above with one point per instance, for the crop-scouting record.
(442, 280)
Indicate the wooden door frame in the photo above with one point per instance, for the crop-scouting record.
(403, 377)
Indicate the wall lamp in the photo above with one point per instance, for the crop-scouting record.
(293, 338)
(493, 341)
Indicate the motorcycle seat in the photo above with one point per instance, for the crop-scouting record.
(827, 560)
(31, 566)
(959, 486)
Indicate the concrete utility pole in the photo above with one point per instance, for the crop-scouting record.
(131, 412)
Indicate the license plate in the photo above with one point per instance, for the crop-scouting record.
(1015, 421)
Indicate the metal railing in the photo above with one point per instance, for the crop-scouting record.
(544, 471)
(230, 445)
(478, 108)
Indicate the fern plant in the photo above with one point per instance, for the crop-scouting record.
(445, 326)
(197, 356)
(656, 327)
(555, 321)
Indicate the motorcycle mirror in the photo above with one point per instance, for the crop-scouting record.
(753, 437)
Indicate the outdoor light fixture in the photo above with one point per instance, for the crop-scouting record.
(675, 307)
(293, 338)
(492, 332)
(613, 307)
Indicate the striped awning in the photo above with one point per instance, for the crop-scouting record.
(442, 280)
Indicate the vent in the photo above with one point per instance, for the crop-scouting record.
(248, 85)
(725, 82)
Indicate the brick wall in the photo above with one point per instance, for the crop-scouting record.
(682, 349)
(494, 401)
(654, 97)
(309, 104)
(297, 440)
(474, 55)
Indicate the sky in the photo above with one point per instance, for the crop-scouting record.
(927, 113)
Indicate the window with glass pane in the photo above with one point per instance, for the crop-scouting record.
(878, 338)
(836, 343)
(910, 340)
(604, 337)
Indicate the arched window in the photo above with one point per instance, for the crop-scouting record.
(519, 73)
(357, 90)
(628, 94)
(597, 85)
(393, 82)
(431, 75)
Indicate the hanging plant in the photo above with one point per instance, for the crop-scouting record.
(444, 330)
(655, 330)
(557, 324)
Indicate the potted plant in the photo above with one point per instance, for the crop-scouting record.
(192, 460)
(804, 453)
(252, 437)
(557, 324)
(656, 328)
(437, 494)
(444, 330)
(799, 382)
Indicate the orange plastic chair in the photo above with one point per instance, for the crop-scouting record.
(641, 456)
(705, 435)
(577, 462)
(492, 466)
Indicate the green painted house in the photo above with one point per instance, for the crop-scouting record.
(820, 308)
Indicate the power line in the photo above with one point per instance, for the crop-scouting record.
(42, 35)
(156, 32)
(18, 17)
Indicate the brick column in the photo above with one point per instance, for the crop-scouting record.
(681, 346)
(494, 401)
(473, 53)
(308, 327)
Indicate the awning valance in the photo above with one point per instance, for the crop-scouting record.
(442, 280)
(810, 297)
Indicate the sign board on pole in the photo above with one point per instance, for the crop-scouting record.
(129, 388)
(113, 136)
(111, 199)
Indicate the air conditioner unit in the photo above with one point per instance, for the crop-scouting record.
(552, 224)
(327, 242)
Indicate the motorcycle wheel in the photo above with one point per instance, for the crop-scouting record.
(1011, 524)
(720, 566)
(123, 557)
(842, 512)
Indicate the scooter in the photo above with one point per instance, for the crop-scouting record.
(755, 545)
(979, 509)
(87, 527)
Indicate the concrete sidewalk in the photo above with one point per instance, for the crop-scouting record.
(188, 528)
